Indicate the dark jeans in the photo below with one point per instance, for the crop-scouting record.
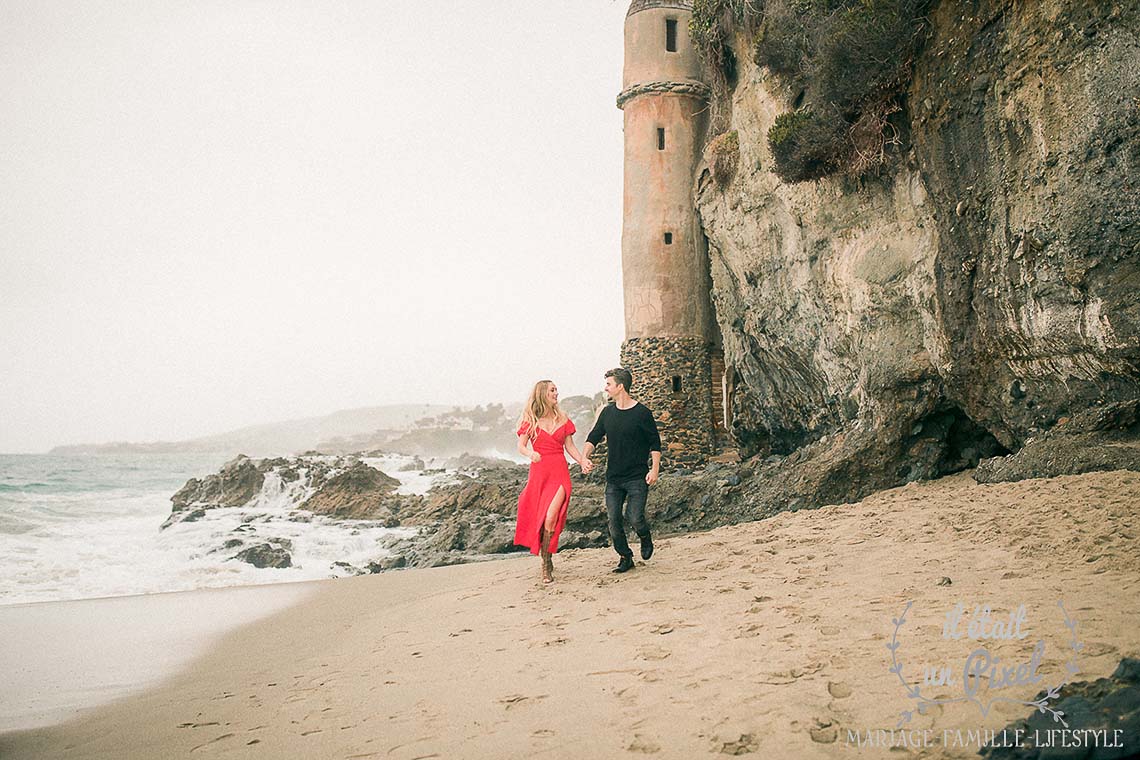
(631, 493)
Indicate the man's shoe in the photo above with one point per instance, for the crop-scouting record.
(646, 547)
(624, 565)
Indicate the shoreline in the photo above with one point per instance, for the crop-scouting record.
(62, 659)
(746, 638)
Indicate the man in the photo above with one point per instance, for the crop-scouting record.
(632, 436)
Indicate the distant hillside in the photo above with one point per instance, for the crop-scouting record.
(282, 438)
(486, 431)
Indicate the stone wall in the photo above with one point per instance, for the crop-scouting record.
(684, 417)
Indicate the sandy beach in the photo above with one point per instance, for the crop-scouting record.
(767, 637)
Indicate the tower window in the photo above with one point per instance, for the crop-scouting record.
(676, 383)
(668, 238)
(671, 35)
(661, 138)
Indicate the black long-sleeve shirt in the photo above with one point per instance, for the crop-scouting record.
(630, 435)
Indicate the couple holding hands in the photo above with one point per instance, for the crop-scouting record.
(545, 432)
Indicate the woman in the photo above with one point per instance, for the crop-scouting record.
(544, 432)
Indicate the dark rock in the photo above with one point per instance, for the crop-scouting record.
(273, 553)
(357, 492)
(238, 482)
(474, 462)
(1098, 439)
(1106, 704)
(387, 563)
(349, 569)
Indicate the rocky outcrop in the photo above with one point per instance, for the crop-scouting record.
(471, 516)
(356, 492)
(273, 553)
(1027, 136)
(1103, 438)
(234, 485)
(979, 290)
(342, 487)
(1107, 705)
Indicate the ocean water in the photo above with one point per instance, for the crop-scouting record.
(81, 527)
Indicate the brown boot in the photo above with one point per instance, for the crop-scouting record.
(547, 567)
(547, 563)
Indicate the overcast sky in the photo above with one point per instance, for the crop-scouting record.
(215, 214)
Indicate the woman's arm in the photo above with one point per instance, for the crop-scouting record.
(526, 451)
(572, 448)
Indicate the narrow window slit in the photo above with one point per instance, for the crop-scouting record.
(668, 238)
(671, 35)
(661, 138)
(676, 383)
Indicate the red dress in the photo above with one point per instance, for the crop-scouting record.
(546, 475)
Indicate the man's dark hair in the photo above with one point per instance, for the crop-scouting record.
(622, 377)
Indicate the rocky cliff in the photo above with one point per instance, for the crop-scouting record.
(978, 288)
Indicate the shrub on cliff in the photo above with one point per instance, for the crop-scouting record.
(847, 61)
(724, 155)
(711, 28)
(864, 51)
(806, 145)
(712, 22)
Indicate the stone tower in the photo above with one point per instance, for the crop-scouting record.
(669, 328)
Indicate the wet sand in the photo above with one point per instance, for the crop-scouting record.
(59, 659)
(767, 637)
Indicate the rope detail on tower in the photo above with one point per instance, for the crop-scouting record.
(688, 87)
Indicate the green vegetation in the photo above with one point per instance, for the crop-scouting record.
(712, 23)
(806, 145)
(845, 64)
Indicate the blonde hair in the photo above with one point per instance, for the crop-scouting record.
(537, 407)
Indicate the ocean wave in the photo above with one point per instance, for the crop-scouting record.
(83, 542)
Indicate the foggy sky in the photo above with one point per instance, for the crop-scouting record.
(215, 214)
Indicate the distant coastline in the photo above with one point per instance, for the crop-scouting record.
(275, 438)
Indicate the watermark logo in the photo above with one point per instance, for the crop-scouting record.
(985, 674)
(983, 678)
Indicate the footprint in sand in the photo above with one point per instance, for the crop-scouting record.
(824, 732)
(644, 745)
(515, 700)
(746, 744)
(653, 653)
(839, 690)
(1097, 648)
(749, 631)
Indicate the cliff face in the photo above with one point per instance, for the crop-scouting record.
(979, 290)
